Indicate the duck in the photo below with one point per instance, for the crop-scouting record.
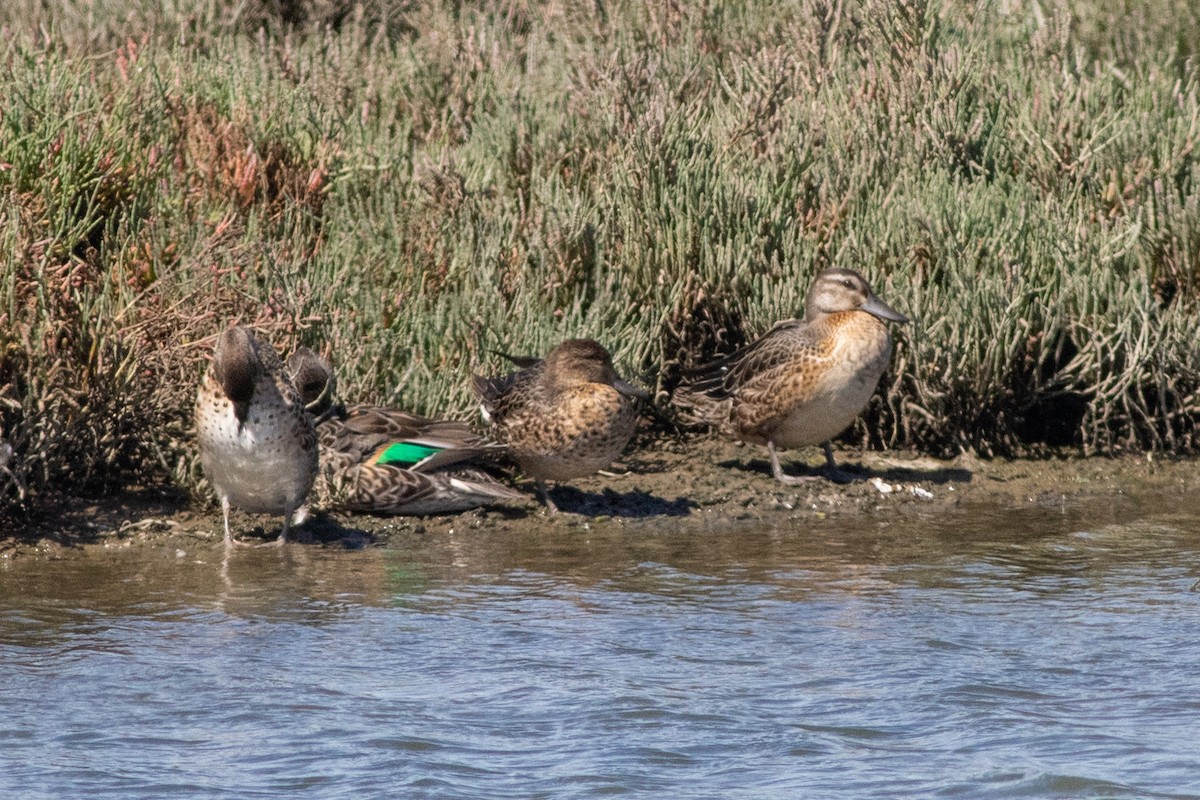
(257, 443)
(805, 380)
(386, 461)
(564, 416)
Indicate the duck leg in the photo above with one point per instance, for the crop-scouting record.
(544, 496)
(831, 468)
(777, 470)
(283, 532)
(230, 541)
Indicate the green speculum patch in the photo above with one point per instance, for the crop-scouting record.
(404, 454)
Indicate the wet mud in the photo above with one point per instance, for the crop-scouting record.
(709, 484)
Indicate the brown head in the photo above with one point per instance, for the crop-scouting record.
(237, 366)
(578, 361)
(837, 290)
(313, 377)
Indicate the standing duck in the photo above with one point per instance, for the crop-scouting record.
(805, 380)
(258, 446)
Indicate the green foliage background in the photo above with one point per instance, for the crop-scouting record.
(414, 184)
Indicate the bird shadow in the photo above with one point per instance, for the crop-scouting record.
(860, 472)
(636, 504)
(322, 528)
(937, 475)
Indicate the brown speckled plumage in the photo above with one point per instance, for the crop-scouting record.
(804, 381)
(257, 445)
(446, 478)
(563, 417)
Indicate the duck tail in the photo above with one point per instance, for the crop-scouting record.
(523, 362)
(696, 406)
(481, 487)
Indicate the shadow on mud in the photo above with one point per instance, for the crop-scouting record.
(892, 474)
(610, 503)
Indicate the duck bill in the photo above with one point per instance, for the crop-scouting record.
(629, 390)
(880, 309)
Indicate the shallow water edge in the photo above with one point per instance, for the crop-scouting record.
(707, 485)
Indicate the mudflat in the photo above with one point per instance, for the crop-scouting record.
(707, 484)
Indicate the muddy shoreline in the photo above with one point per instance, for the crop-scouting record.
(708, 484)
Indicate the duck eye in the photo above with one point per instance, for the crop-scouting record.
(849, 284)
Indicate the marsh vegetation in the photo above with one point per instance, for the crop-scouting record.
(415, 184)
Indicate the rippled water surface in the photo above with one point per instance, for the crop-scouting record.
(1034, 653)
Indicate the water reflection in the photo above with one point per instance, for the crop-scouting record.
(1034, 553)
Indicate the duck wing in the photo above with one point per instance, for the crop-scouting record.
(391, 489)
(498, 393)
(389, 436)
(721, 378)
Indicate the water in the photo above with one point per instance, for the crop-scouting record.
(992, 653)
